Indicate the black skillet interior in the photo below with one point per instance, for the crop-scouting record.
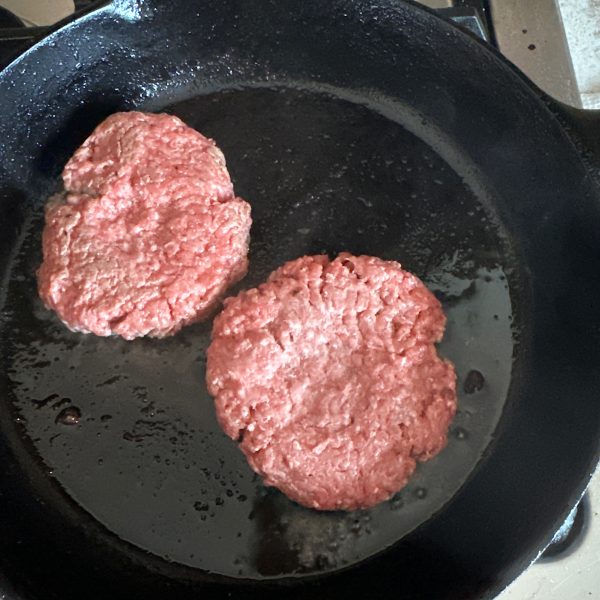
(370, 128)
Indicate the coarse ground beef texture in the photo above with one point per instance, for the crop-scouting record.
(329, 377)
(148, 234)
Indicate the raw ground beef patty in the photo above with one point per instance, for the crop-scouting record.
(329, 377)
(148, 234)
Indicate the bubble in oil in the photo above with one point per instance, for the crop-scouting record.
(69, 416)
(460, 433)
(420, 493)
(474, 382)
(397, 502)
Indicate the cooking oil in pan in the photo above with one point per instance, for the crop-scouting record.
(128, 428)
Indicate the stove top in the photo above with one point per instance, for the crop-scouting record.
(547, 40)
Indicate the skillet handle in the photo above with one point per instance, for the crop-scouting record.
(582, 126)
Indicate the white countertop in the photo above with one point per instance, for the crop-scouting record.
(581, 20)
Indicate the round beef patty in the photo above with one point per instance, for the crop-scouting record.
(148, 234)
(328, 376)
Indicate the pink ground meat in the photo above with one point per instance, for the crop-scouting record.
(148, 234)
(328, 376)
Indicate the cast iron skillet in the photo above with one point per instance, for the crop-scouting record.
(372, 127)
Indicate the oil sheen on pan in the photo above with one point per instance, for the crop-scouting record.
(143, 452)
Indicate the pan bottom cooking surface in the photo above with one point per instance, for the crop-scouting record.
(128, 429)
